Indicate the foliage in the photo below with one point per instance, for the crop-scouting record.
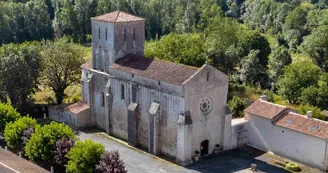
(19, 65)
(280, 58)
(27, 134)
(7, 114)
(316, 45)
(40, 148)
(60, 64)
(84, 157)
(293, 167)
(181, 48)
(110, 163)
(62, 147)
(297, 76)
(237, 106)
(269, 95)
(316, 112)
(14, 132)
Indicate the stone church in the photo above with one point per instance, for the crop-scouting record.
(170, 109)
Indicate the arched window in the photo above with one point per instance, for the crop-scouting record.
(106, 34)
(122, 92)
(99, 33)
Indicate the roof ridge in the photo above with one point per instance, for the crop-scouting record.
(117, 15)
(275, 104)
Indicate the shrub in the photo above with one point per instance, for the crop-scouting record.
(40, 148)
(237, 106)
(7, 114)
(62, 147)
(270, 95)
(316, 112)
(14, 132)
(293, 167)
(84, 157)
(111, 163)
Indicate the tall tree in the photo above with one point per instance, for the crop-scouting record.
(280, 58)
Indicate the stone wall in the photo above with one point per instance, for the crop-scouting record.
(76, 120)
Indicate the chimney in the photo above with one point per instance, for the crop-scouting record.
(263, 97)
(309, 114)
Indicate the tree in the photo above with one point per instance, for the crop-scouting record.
(208, 11)
(14, 132)
(297, 77)
(111, 163)
(7, 114)
(280, 58)
(19, 71)
(316, 112)
(316, 45)
(84, 157)
(237, 106)
(269, 95)
(40, 148)
(60, 64)
(62, 147)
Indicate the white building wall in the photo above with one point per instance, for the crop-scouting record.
(300, 147)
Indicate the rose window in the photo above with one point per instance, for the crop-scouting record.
(206, 106)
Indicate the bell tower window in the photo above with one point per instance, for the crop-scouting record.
(102, 99)
(99, 33)
(122, 92)
(124, 34)
(106, 34)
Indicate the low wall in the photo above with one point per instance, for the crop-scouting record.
(235, 133)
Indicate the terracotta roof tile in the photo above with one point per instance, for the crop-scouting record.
(75, 108)
(18, 164)
(86, 65)
(158, 70)
(303, 124)
(265, 109)
(117, 16)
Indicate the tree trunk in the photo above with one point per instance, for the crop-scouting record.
(60, 95)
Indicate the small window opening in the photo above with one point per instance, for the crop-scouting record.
(102, 99)
(208, 76)
(124, 34)
(106, 34)
(314, 128)
(159, 82)
(282, 131)
(99, 33)
(122, 92)
(132, 75)
(290, 121)
(134, 34)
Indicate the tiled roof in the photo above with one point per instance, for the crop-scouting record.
(17, 163)
(117, 16)
(265, 109)
(303, 124)
(87, 65)
(164, 71)
(75, 108)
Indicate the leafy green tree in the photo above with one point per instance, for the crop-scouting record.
(316, 45)
(19, 71)
(181, 48)
(14, 132)
(280, 58)
(208, 11)
(60, 66)
(269, 94)
(237, 106)
(7, 114)
(84, 157)
(40, 148)
(297, 77)
(316, 112)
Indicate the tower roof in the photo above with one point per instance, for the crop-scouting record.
(117, 16)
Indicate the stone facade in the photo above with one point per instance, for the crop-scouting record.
(171, 115)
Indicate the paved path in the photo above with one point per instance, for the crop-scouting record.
(136, 161)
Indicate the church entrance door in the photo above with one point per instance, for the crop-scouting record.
(204, 148)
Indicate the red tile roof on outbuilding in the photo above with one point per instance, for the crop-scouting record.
(17, 164)
(303, 124)
(72, 107)
(163, 71)
(117, 16)
(265, 109)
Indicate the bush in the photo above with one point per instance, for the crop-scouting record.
(293, 167)
(316, 112)
(14, 132)
(7, 114)
(62, 147)
(84, 157)
(40, 148)
(270, 95)
(237, 106)
(111, 163)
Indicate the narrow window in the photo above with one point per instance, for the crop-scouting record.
(99, 33)
(124, 34)
(102, 99)
(134, 34)
(208, 76)
(159, 82)
(122, 91)
(106, 34)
